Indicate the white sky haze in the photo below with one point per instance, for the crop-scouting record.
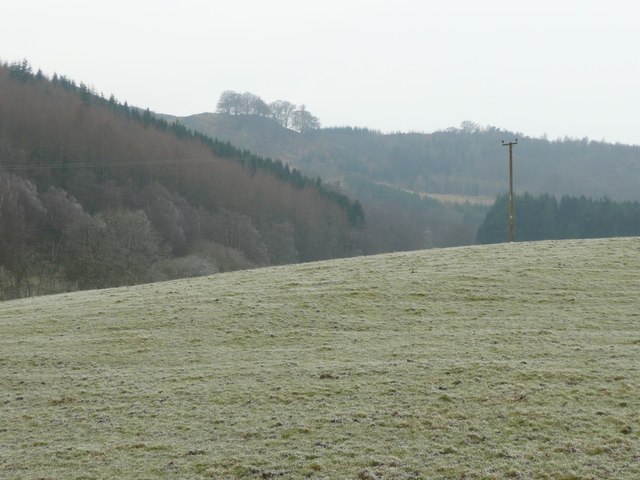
(563, 67)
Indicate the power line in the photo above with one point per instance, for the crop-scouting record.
(104, 164)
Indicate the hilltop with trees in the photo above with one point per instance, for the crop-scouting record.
(284, 112)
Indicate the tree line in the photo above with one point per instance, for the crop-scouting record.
(544, 217)
(95, 193)
(284, 112)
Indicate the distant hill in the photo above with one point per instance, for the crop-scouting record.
(466, 161)
(95, 193)
(354, 161)
(260, 135)
(398, 177)
(503, 361)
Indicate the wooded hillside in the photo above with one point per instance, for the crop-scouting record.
(361, 163)
(468, 160)
(393, 174)
(95, 193)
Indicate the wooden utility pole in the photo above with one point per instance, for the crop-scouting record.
(511, 214)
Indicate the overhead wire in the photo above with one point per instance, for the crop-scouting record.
(103, 164)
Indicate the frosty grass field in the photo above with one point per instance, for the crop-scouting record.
(505, 361)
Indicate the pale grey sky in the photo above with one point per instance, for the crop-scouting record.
(560, 67)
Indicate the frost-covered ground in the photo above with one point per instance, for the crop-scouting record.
(505, 361)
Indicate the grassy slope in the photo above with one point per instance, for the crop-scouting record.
(507, 361)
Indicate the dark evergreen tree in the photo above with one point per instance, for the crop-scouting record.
(543, 218)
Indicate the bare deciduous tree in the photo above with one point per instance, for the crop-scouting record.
(281, 111)
(303, 121)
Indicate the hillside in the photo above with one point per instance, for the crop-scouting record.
(398, 177)
(504, 361)
(95, 193)
(461, 161)
(362, 164)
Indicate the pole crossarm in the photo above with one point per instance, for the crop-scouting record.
(511, 210)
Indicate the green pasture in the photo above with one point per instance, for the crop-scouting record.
(505, 361)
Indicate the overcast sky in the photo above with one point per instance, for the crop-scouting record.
(560, 67)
